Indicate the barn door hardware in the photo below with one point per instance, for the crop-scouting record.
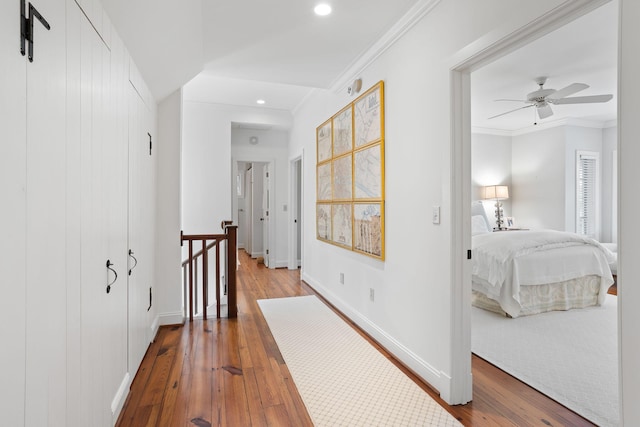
(109, 264)
(26, 27)
(135, 261)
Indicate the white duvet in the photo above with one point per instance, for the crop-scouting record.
(505, 261)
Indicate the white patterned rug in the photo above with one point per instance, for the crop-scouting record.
(571, 356)
(344, 380)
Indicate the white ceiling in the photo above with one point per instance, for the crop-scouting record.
(242, 50)
(235, 52)
(583, 51)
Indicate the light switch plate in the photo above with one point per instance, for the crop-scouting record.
(436, 215)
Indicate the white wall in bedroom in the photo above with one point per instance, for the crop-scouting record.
(538, 171)
(491, 165)
(544, 175)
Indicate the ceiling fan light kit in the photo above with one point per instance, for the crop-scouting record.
(542, 98)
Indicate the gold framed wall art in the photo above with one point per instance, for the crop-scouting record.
(350, 176)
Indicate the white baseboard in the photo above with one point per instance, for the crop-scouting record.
(121, 395)
(437, 379)
(174, 318)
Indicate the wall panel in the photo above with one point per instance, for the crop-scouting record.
(45, 392)
(12, 214)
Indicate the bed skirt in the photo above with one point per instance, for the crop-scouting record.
(575, 293)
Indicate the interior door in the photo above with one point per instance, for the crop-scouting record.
(298, 212)
(248, 217)
(13, 169)
(45, 291)
(257, 240)
(265, 213)
(138, 256)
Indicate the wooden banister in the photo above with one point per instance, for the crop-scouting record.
(209, 241)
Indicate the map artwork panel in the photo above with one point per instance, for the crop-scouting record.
(341, 224)
(342, 178)
(323, 221)
(324, 142)
(324, 182)
(342, 134)
(368, 119)
(368, 228)
(368, 173)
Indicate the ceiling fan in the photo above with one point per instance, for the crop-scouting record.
(543, 98)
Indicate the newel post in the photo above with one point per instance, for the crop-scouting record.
(232, 267)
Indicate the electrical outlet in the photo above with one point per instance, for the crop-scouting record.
(342, 278)
(371, 294)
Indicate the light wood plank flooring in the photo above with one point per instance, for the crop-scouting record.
(229, 372)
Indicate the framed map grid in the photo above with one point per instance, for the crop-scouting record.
(350, 176)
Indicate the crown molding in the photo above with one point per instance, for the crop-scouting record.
(569, 121)
(411, 18)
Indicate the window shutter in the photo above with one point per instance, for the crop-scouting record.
(586, 193)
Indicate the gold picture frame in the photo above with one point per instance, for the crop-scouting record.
(350, 176)
(324, 142)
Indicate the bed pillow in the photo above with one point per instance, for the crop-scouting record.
(478, 225)
(477, 208)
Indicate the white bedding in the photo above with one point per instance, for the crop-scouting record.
(505, 261)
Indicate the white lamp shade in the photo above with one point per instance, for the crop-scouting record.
(496, 192)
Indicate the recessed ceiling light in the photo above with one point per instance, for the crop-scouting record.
(261, 101)
(322, 9)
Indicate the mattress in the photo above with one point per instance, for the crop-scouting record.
(510, 268)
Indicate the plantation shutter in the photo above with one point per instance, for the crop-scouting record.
(586, 194)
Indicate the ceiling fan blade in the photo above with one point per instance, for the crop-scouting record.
(569, 90)
(582, 99)
(515, 100)
(544, 111)
(510, 111)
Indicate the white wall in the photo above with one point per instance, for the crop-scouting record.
(411, 314)
(206, 160)
(491, 165)
(168, 261)
(538, 200)
(544, 176)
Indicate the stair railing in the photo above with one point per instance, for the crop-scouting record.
(190, 269)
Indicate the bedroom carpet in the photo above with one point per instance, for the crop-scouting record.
(571, 356)
(344, 380)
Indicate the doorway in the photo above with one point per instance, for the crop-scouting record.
(461, 390)
(252, 195)
(296, 198)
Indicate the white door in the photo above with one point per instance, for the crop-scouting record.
(298, 212)
(257, 240)
(45, 289)
(248, 217)
(265, 213)
(140, 258)
(13, 169)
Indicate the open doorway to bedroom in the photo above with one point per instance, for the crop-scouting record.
(554, 158)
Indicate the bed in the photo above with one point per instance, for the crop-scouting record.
(524, 272)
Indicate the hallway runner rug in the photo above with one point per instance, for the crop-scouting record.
(571, 356)
(342, 378)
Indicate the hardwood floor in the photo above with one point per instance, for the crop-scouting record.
(229, 372)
